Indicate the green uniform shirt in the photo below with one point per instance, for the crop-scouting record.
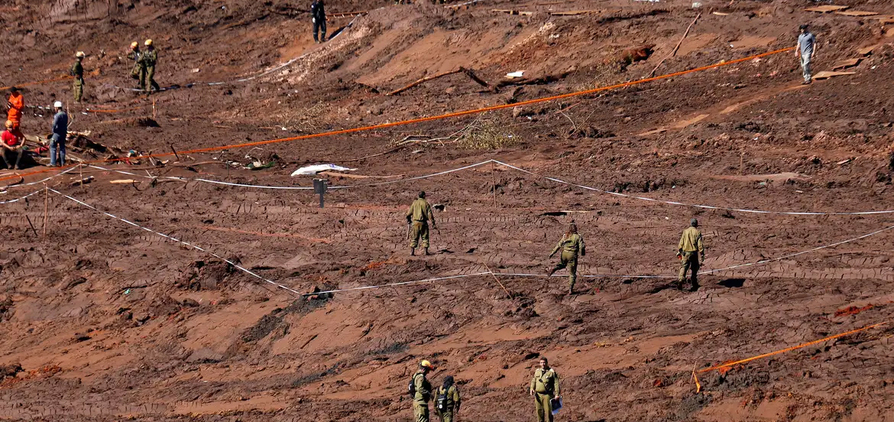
(149, 58)
(452, 397)
(573, 243)
(423, 388)
(134, 55)
(691, 241)
(77, 70)
(545, 382)
(420, 210)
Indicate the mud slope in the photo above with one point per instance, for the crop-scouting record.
(185, 286)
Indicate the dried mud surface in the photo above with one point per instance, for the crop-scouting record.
(103, 321)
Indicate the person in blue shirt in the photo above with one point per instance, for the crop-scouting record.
(806, 51)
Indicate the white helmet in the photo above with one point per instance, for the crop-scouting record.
(57, 104)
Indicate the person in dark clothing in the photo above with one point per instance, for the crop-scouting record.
(318, 15)
(60, 132)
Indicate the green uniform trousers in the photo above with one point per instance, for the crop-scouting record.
(147, 79)
(420, 231)
(690, 263)
(543, 408)
(446, 416)
(569, 260)
(77, 88)
(420, 410)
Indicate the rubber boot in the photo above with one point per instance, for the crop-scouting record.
(426, 251)
(412, 251)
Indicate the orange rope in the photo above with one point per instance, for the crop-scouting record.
(788, 349)
(427, 119)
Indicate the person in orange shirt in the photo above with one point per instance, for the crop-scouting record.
(16, 104)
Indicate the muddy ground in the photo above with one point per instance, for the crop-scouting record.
(104, 321)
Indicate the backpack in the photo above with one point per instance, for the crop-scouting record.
(411, 388)
(441, 403)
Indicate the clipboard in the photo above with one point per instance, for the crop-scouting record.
(555, 405)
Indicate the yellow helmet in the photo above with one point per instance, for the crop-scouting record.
(80, 54)
(148, 43)
(9, 124)
(134, 44)
(426, 364)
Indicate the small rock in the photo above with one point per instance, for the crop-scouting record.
(190, 303)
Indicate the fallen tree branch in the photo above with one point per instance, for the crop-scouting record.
(423, 80)
(674, 52)
(468, 72)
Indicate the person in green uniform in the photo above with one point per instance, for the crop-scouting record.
(690, 246)
(134, 54)
(418, 216)
(421, 391)
(544, 387)
(77, 71)
(148, 60)
(572, 245)
(447, 400)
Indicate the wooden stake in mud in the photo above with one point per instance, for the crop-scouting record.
(741, 163)
(81, 169)
(46, 208)
(154, 114)
(493, 177)
(175, 152)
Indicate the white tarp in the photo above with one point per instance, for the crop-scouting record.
(316, 168)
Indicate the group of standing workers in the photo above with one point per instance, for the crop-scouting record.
(12, 140)
(572, 244)
(544, 388)
(143, 70)
(144, 62)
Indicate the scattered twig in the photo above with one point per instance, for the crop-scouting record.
(677, 47)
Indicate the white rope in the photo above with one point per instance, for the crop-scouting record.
(510, 166)
(709, 207)
(169, 237)
(453, 277)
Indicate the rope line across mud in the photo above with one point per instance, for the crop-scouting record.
(513, 167)
(172, 238)
(442, 116)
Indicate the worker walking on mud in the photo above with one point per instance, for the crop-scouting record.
(420, 391)
(77, 71)
(544, 388)
(148, 60)
(572, 246)
(137, 70)
(691, 245)
(418, 216)
(806, 51)
(318, 16)
(447, 401)
(60, 133)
